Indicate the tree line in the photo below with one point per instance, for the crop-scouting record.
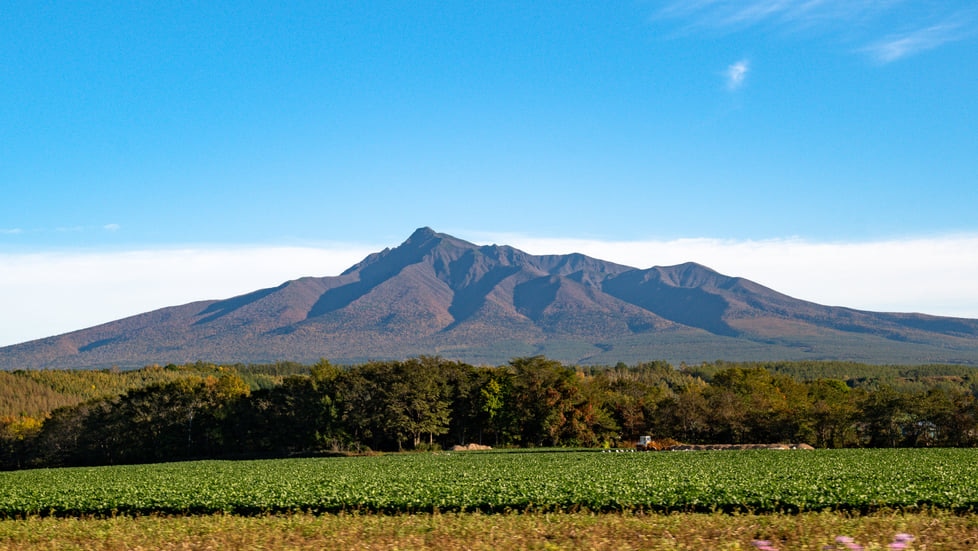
(205, 411)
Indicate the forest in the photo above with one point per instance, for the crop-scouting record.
(70, 418)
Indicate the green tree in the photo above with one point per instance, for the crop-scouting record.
(551, 407)
(634, 394)
(752, 405)
(686, 415)
(395, 403)
(297, 415)
(831, 420)
(885, 415)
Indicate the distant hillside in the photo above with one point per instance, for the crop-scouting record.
(439, 295)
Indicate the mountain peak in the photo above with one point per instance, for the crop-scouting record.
(427, 239)
(421, 235)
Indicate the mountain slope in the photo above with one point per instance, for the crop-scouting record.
(436, 294)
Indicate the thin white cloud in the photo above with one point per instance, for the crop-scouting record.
(899, 46)
(871, 22)
(52, 293)
(738, 14)
(62, 229)
(736, 74)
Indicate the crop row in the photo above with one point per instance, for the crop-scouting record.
(755, 480)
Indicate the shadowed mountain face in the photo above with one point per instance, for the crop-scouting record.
(438, 295)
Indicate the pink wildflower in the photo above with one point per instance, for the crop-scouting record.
(901, 541)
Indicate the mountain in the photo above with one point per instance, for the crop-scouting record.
(439, 295)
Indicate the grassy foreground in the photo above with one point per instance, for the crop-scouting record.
(614, 531)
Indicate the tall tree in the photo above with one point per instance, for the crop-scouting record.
(551, 407)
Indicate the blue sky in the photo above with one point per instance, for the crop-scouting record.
(153, 156)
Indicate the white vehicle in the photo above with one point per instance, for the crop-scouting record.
(644, 443)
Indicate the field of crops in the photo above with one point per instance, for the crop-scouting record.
(747, 481)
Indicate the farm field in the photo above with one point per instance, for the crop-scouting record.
(535, 481)
(520, 500)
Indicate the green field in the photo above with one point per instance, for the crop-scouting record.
(543, 499)
(753, 481)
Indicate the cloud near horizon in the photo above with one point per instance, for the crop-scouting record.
(46, 294)
(933, 275)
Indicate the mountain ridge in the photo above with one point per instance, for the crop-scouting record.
(440, 295)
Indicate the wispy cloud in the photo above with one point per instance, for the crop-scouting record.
(736, 73)
(738, 14)
(899, 46)
(61, 229)
(873, 23)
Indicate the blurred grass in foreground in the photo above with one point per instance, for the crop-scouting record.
(679, 531)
